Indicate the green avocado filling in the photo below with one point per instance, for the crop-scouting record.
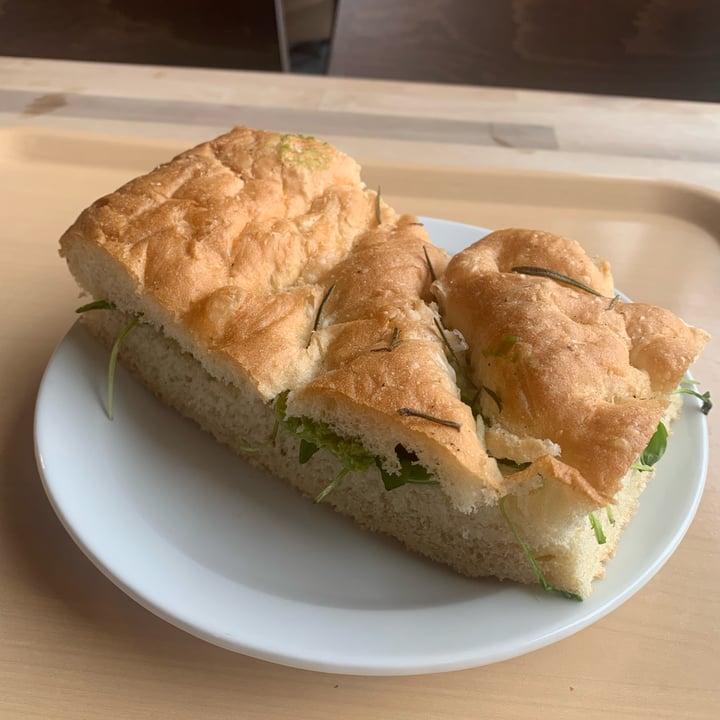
(352, 454)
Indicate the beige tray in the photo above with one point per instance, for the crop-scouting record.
(74, 643)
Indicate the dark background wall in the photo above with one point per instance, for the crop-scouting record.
(656, 48)
(202, 33)
(664, 48)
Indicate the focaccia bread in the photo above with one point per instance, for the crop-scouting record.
(578, 379)
(282, 305)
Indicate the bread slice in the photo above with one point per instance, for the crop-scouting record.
(294, 315)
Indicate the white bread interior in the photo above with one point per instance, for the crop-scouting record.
(422, 517)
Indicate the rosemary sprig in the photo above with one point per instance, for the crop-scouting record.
(394, 342)
(450, 348)
(513, 464)
(553, 275)
(410, 412)
(96, 305)
(493, 395)
(431, 269)
(318, 314)
(526, 550)
(610, 514)
(469, 394)
(476, 410)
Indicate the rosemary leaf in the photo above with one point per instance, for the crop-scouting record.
(431, 269)
(96, 305)
(318, 314)
(512, 464)
(610, 514)
(394, 342)
(477, 410)
(409, 412)
(468, 392)
(553, 275)
(395, 339)
(494, 396)
(378, 207)
(251, 448)
(441, 330)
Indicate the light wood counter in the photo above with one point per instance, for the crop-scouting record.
(637, 181)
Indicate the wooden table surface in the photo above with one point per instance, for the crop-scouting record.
(637, 179)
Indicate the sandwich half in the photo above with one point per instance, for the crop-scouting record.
(490, 411)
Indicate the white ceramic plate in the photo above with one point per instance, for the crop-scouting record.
(234, 557)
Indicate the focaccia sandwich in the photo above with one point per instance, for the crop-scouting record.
(488, 411)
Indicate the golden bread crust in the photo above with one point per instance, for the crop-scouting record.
(262, 264)
(587, 372)
(384, 363)
(266, 257)
(232, 248)
(236, 233)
